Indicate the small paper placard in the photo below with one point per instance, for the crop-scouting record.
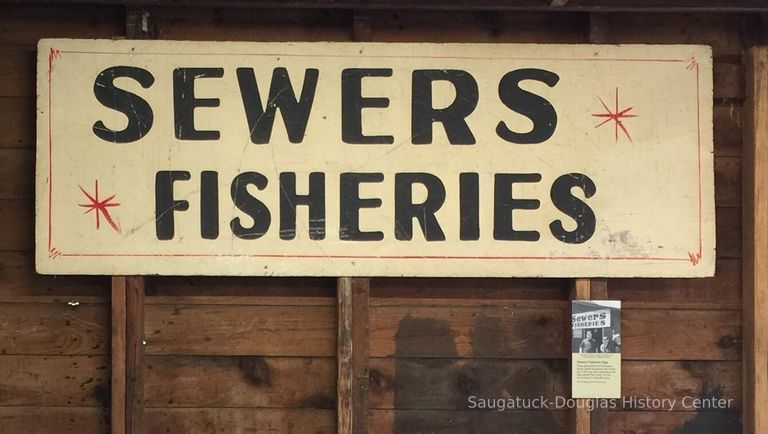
(596, 349)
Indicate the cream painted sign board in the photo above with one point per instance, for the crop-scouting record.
(365, 159)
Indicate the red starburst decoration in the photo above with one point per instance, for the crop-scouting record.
(101, 207)
(615, 115)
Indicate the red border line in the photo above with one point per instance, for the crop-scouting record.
(357, 56)
(698, 139)
(288, 255)
(276, 255)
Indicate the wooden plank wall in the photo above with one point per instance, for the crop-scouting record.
(259, 355)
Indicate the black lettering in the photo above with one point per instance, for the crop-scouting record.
(503, 228)
(209, 205)
(315, 201)
(295, 112)
(353, 103)
(453, 117)
(351, 203)
(185, 103)
(573, 207)
(469, 206)
(532, 106)
(406, 210)
(251, 206)
(136, 109)
(165, 205)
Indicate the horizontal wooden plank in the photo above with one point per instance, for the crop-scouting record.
(681, 335)
(240, 330)
(54, 420)
(499, 26)
(444, 384)
(61, 381)
(17, 217)
(240, 420)
(727, 129)
(466, 421)
(574, 5)
(48, 328)
(678, 380)
(729, 81)
(478, 331)
(704, 422)
(19, 166)
(509, 331)
(17, 71)
(17, 124)
(728, 182)
(719, 31)
(250, 25)
(720, 292)
(391, 290)
(20, 283)
(26, 24)
(728, 222)
(245, 381)
(318, 291)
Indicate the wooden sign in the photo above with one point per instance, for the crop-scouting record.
(362, 159)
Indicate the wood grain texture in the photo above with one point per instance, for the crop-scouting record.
(59, 381)
(240, 420)
(715, 30)
(463, 5)
(509, 331)
(25, 24)
(344, 351)
(35, 328)
(243, 381)
(119, 352)
(17, 125)
(17, 71)
(54, 420)
(446, 384)
(723, 291)
(20, 283)
(756, 244)
(241, 330)
(674, 422)
(134, 355)
(278, 24)
(352, 355)
(466, 421)
(579, 417)
(361, 291)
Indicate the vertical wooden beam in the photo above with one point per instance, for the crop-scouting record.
(352, 353)
(598, 416)
(579, 417)
(582, 421)
(352, 298)
(127, 402)
(134, 355)
(344, 349)
(755, 244)
(117, 403)
(599, 33)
